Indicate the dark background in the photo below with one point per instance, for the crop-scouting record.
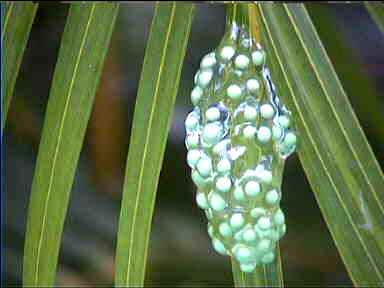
(180, 252)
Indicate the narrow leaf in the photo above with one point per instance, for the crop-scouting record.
(153, 113)
(376, 10)
(357, 83)
(17, 23)
(83, 48)
(333, 149)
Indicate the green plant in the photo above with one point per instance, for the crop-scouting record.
(153, 111)
(338, 161)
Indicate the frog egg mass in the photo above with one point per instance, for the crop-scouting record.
(238, 137)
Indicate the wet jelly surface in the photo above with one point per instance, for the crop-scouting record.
(238, 137)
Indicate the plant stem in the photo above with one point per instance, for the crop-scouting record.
(270, 275)
(246, 16)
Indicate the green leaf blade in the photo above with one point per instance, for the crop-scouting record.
(18, 19)
(376, 10)
(334, 152)
(153, 111)
(350, 71)
(84, 45)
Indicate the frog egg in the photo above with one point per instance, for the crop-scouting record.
(224, 114)
(237, 220)
(265, 176)
(223, 184)
(249, 132)
(204, 77)
(268, 258)
(224, 166)
(252, 188)
(238, 236)
(264, 134)
(274, 235)
(272, 197)
(260, 167)
(204, 166)
(277, 132)
(241, 61)
(267, 111)
(212, 114)
(196, 95)
(208, 213)
(253, 85)
(198, 180)
(279, 217)
(227, 53)
(264, 223)
(282, 229)
(191, 122)
(221, 147)
(192, 157)
(246, 42)
(257, 212)
(236, 152)
(238, 193)
(201, 200)
(290, 139)
(258, 57)
(212, 133)
(249, 235)
(234, 91)
(210, 230)
(225, 230)
(219, 246)
(285, 150)
(192, 140)
(196, 77)
(264, 246)
(250, 113)
(262, 234)
(216, 201)
(248, 267)
(208, 60)
(243, 254)
(284, 121)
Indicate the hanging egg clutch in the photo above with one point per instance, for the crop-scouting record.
(238, 137)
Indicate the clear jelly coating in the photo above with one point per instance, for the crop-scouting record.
(238, 137)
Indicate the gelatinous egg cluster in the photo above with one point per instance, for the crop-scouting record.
(238, 137)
